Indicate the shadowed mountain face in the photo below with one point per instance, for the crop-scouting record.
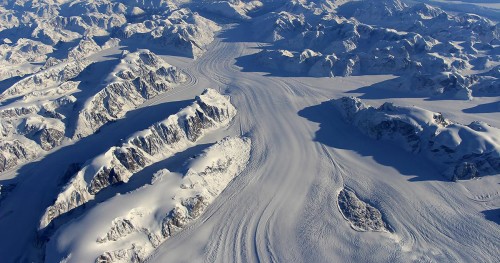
(249, 131)
(431, 50)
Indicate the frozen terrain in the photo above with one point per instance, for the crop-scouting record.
(155, 212)
(44, 105)
(249, 131)
(433, 52)
(464, 151)
(159, 141)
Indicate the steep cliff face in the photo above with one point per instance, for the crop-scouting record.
(166, 24)
(45, 105)
(22, 57)
(87, 46)
(46, 46)
(461, 151)
(423, 45)
(26, 131)
(138, 77)
(209, 111)
(46, 132)
(166, 206)
(48, 78)
(54, 22)
(209, 174)
(79, 77)
(15, 152)
(179, 30)
(277, 26)
(32, 128)
(24, 51)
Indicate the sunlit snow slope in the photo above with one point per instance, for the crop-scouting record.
(249, 131)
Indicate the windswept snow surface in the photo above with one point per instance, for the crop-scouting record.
(139, 221)
(143, 148)
(284, 208)
(40, 116)
(282, 205)
(462, 151)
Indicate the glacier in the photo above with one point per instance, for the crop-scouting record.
(249, 131)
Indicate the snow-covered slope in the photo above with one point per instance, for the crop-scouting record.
(424, 45)
(163, 139)
(138, 77)
(143, 219)
(462, 151)
(235, 9)
(180, 31)
(45, 104)
(32, 31)
(108, 152)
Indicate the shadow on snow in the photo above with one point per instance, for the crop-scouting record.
(336, 133)
(52, 167)
(492, 215)
(484, 108)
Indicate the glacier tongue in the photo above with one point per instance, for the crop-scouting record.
(85, 87)
(209, 111)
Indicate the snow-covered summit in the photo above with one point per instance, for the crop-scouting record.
(46, 103)
(235, 9)
(138, 76)
(110, 151)
(461, 151)
(143, 148)
(152, 214)
(389, 37)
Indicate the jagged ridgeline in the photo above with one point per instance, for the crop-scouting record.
(49, 102)
(37, 35)
(461, 151)
(42, 25)
(48, 48)
(432, 51)
(161, 140)
(108, 156)
(148, 216)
